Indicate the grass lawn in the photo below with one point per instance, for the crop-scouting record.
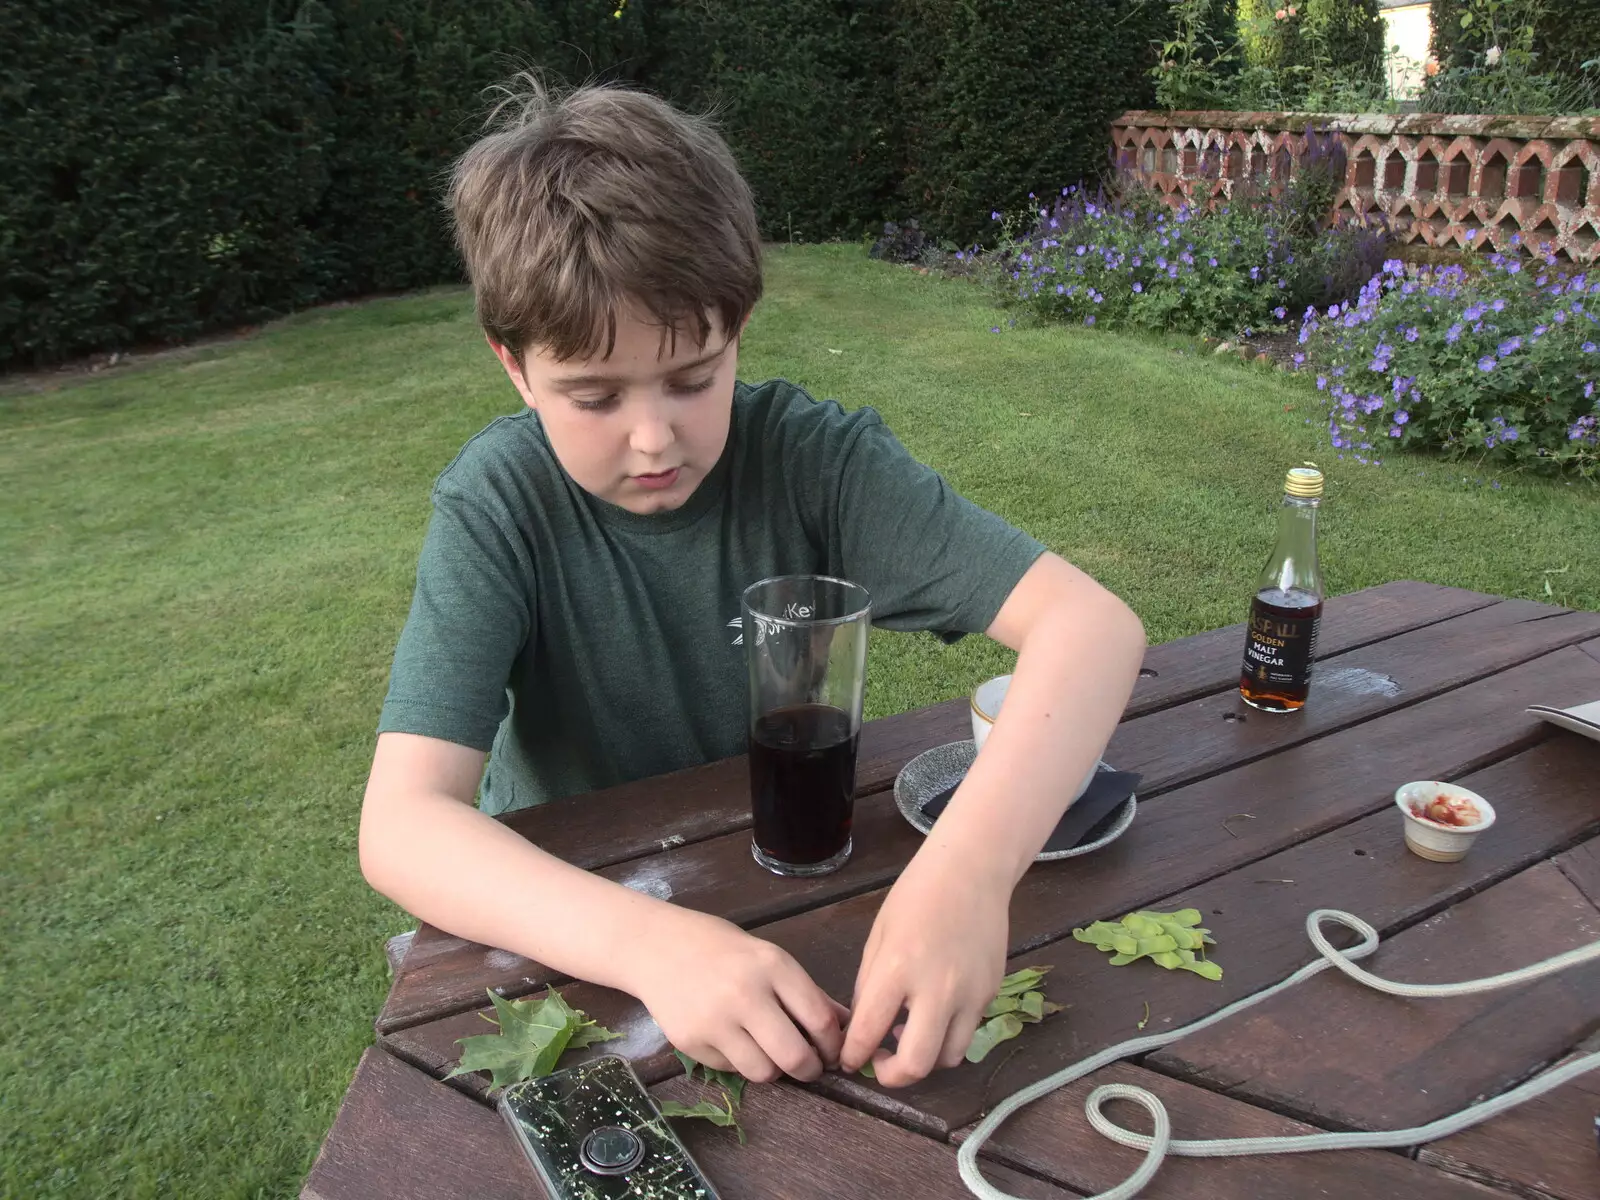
(208, 559)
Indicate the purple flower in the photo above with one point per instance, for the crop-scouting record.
(994, 216)
(1173, 272)
(1401, 417)
(1061, 289)
(1394, 431)
(1280, 312)
(1089, 320)
(1138, 287)
(1412, 334)
(994, 329)
(1486, 363)
(1588, 347)
(1510, 346)
(1082, 250)
(1499, 306)
(1322, 383)
(1255, 272)
(1212, 261)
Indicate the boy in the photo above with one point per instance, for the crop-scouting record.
(577, 597)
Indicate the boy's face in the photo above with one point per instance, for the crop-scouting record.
(642, 426)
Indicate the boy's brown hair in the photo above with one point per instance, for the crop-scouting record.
(578, 205)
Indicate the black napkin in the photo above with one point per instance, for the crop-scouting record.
(1088, 819)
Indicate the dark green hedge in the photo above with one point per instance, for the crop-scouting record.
(172, 168)
(175, 168)
(1567, 35)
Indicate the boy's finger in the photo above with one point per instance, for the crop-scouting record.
(746, 1057)
(817, 1013)
(959, 1038)
(876, 1009)
(783, 1044)
(918, 1049)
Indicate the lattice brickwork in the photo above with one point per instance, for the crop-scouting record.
(1449, 181)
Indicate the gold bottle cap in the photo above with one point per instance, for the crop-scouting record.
(1303, 481)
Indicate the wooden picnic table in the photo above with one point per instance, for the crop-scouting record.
(1252, 818)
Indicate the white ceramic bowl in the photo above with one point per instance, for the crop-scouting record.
(986, 700)
(1429, 839)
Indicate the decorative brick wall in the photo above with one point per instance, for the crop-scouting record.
(1447, 181)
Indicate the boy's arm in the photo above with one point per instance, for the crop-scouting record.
(938, 946)
(425, 845)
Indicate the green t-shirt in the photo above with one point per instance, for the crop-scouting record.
(583, 645)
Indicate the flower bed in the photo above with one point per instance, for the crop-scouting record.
(1498, 362)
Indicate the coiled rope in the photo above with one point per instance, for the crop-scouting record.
(1160, 1144)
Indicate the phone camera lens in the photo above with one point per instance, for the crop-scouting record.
(611, 1151)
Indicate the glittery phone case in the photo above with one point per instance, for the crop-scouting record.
(581, 1126)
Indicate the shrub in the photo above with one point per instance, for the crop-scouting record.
(1499, 363)
(1240, 268)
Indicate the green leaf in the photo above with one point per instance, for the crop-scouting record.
(1208, 970)
(991, 1033)
(870, 1071)
(590, 1034)
(1026, 980)
(1004, 1004)
(730, 1082)
(534, 1033)
(1186, 916)
(1032, 1003)
(706, 1110)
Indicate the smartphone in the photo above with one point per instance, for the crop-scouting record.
(592, 1132)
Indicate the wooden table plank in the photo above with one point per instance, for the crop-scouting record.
(800, 1147)
(1545, 1147)
(1581, 864)
(1219, 732)
(1337, 1052)
(441, 976)
(1209, 662)
(1362, 867)
(1183, 840)
(401, 1135)
(1052, 1137)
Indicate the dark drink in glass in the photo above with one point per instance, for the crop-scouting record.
(805, 639)
(803, 782)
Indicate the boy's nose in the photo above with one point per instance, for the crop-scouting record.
(651, 437)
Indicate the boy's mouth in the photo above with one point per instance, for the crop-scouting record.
(659, 481)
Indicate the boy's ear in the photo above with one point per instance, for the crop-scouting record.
(513, 369)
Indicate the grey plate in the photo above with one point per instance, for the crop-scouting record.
(932, 771)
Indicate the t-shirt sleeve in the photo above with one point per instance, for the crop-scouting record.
(929, 557)
(471, 614)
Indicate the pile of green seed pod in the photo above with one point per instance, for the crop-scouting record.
(1173, 940)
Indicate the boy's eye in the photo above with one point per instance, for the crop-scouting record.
(601, 404)
(698, 386)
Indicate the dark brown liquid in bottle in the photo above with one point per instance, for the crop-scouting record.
(1279, 649)
(802, 782)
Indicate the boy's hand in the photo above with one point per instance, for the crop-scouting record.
(734, 1002)
(938, 950)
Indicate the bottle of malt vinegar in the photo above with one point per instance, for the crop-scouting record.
(1281, 642)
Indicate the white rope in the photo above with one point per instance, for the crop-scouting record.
(1159, 1144)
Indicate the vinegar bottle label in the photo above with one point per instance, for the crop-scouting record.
(1280, 646)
